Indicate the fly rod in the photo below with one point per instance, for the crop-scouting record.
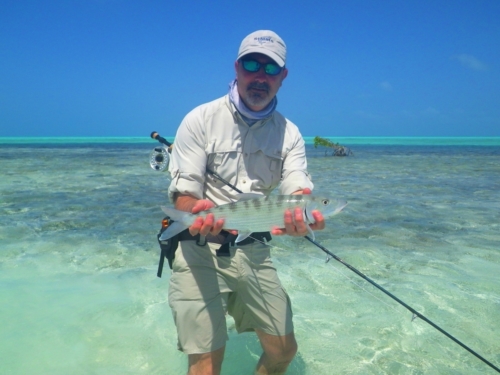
(415, 313)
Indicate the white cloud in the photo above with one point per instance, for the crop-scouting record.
(470, 62)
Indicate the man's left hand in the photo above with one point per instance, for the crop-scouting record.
(295, 224)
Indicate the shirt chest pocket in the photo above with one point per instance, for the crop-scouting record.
(263, 167)
(224, 159)
(260, 165)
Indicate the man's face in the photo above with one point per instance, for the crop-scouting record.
(257, 89)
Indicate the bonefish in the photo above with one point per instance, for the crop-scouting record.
(256, 213)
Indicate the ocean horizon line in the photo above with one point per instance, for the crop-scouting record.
(347, 141)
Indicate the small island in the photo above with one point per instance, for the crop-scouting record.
(335, 148)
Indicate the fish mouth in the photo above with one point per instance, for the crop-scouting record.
(341, 204)
(333, 209)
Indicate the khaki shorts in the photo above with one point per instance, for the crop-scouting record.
(204, 287)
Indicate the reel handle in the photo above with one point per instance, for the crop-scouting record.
(160, 139)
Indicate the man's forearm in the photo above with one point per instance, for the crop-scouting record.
(184, 202)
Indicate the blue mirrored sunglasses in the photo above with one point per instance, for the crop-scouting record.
(253, 66)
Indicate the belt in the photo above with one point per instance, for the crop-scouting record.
(226, 239)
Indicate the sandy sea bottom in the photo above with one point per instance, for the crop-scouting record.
(78, 258)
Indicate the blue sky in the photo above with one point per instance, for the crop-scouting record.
(356, 68)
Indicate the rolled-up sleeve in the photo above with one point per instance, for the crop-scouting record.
(188, 160)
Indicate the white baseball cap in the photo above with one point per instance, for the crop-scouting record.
(266, 42)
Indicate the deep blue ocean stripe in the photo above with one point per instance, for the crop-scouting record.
(347, 141)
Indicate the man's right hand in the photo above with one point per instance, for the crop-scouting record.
(205, 225)
(201, 225)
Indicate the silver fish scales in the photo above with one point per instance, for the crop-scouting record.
(256, 213)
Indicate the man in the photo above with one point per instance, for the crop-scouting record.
(252, 146)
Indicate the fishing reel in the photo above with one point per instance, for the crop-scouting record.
(159, 158)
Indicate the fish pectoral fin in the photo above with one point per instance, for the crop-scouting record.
(242, 235)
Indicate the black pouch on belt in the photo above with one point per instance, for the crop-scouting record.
(167, 247)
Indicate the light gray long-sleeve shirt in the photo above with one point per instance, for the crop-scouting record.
(254, 158)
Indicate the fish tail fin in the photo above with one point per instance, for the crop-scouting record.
(180, 221)
(174, 214)
(175, 228)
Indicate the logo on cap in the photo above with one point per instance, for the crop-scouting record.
(263, 39)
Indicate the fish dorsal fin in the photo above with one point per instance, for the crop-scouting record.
(248, 196)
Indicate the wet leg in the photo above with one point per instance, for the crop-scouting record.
(278, 353)
(206, 363)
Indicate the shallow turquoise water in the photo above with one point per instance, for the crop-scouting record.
(78, 258)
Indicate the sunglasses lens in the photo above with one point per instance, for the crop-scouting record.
(272, 69)
(254, 66)
(251, 65)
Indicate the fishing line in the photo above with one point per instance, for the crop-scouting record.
(415, 313)
(362, 288)
(339, 271)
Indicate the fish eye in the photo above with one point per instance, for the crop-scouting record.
(325, 202)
